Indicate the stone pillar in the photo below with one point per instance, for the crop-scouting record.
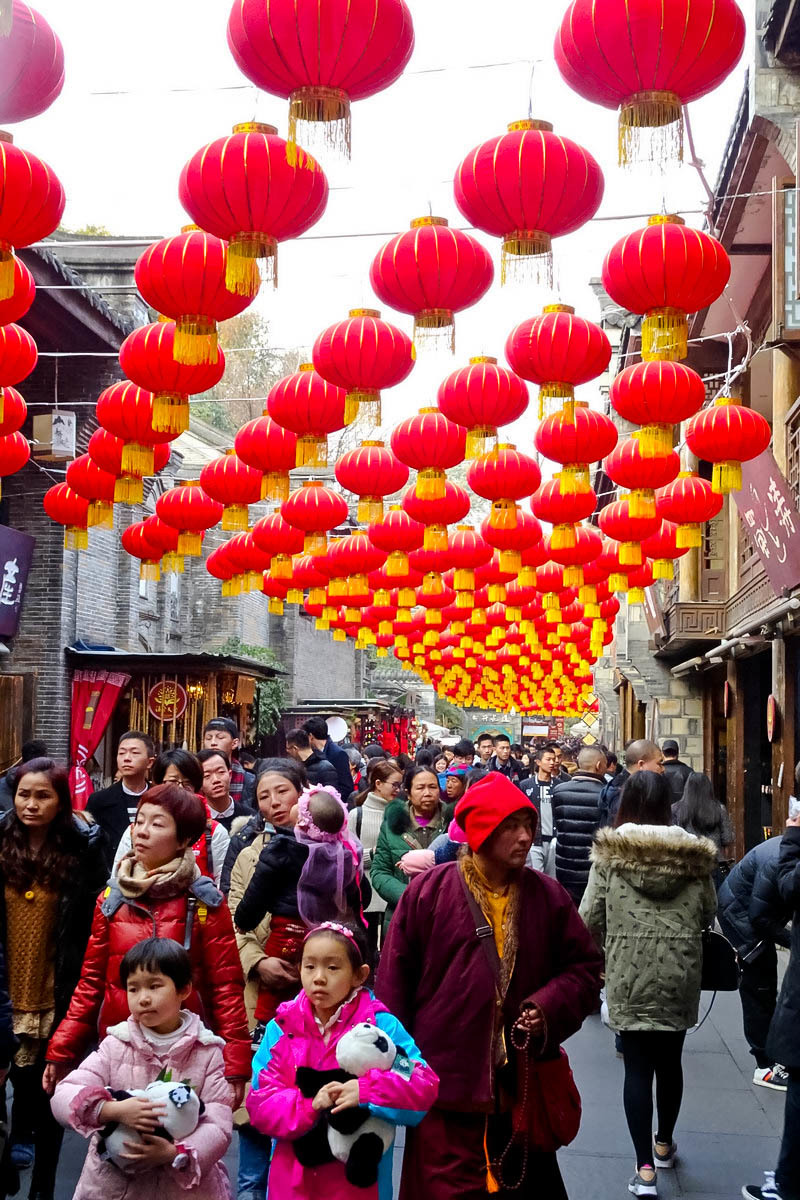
(689, 577)
(785, 390)
(783, 748)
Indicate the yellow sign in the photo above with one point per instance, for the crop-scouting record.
(588, 739)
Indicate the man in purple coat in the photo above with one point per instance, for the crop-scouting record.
(461, 1001)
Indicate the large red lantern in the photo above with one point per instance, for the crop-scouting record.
(662, 549)
(127, 411)
(147, 356)
(430, 444)
(617, 522)
(727, 434)
(664, 272)
(165, 539)
(245, 190)
(480, 397)
(31, 64)
(559, 352)
(67, 508)
(234, 485)
(281, 541)
(107, 451)
(315, 509)
(352, 558)
(562, 509)
(657, 395)
(183, 277)
(648, 60)
(504, 476)
(321, 58)
(136, 542)
(527, 187)
(188, 509)
(371, 472)
(31, 205)
(437, 514)
(270, 449)
(466, 551)
(18, 355)
(398, 534)
(21, 297)
(312, 408)
(514, 541)
(588, 546)
(689, 502)
(13, 410)
(627, 467)
(95, 485)
(432, 272)
(15, 452)
(363, 355)
(576, 440)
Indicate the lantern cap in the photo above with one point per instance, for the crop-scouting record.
(305, 367)
(419, 222)
(557, 308)
(364, 312)
(373, 442)
(430, 409)
(255, 127)
(530, 123)
(229, 452)
(191, 229)
(312, 483)
(482, 358)
(665, 219)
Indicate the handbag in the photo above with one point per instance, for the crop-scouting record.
(720, 965)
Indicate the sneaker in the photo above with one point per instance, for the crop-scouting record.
(640, 1186)
(768, 1192)
(665, 1154)
(775, 1077)
(22, 1154)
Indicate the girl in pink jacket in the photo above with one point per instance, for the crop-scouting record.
(288, 1102)
(159, 1036)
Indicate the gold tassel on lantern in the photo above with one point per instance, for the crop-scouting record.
(195, 340)
(435, 329)
(172, 563)
(190, 543)
(651, 129)
(464, 580)
(364, 403)
(431, 484)
(170, 412)
(137, 459)
(690, 536)
(527, 257)
(101, 514)
(315, 543)
(655, 441)
(503, 514)
(642, 503)
(435, 537)
(617, 582)
(465, 599)
(324, 114)
(149, 571)
(357, 585)
(555, 397)
(662, 569)
(280, 566)
(235, 517)
(484, 439)
(275, 485)
(316, 595)
(7, 270)
(573, 577)
(635, 596)
(573, 479)
(370, 508)
(511, 561)
(312, 451)
(128, 489)
(665, 335)
(563, 537)
(76, 538)
(397, 563)
(243, 275)
(726, 477)
(630, 554)
(406, 598)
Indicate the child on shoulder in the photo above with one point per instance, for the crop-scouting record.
(295, 1089)
(159, 1037)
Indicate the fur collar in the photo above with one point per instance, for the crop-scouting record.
(655, 850)
(128, 1031)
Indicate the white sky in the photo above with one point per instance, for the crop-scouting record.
(119, 156)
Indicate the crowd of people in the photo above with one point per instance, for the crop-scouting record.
(316, 950)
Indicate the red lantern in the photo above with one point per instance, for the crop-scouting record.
(18, 355)
(13, 410)
(558, 351)
(657, 395)
(588, 546)
(577, 440)
(270, 449)
(639, 578)
(480, 397)
(371, 472)
(436, 515)
(617, 522)
(23, 291)
(312, 408)
(627, 467)
(514, 541)
(31, 205)
(127, 411)
(165, 539)
(233, 484)
(14, 453)
(277, 590)
(663, 548)
(397, 533)
(188, 509)
(504, 476)
(648, 61)
(352, 558)
(108, 451)
(281, 541)
(95, 485)
(219, 565)
(665, 271)
(306, 575)
(363, 355)
(136, 542)
(527, 187)
(249, 564)
(67, 508)
(184, 278)
(321, 62)
(31, 64)
(315, 509)
(432, 272)
(466, 551)
(562, 509)
(431, 445)
(688, 502)
(727, 434)
(147, 356)
(245, 190)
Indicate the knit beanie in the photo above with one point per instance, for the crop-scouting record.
(487, 804)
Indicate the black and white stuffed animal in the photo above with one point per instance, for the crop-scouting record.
(353, 1137)
(184, 1110)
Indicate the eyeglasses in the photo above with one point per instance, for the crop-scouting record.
(395, 787)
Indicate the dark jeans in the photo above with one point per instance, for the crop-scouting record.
(758, 992)
(787, 1174)
(652, 1054)
(32, 1121)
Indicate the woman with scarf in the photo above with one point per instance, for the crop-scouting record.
(159, 892)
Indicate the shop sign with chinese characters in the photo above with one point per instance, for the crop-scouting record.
(16, 552)
(770, 517)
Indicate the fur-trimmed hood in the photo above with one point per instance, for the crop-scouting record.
(398, 817)
(658, 860)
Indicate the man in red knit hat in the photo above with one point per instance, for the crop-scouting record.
(490, 967)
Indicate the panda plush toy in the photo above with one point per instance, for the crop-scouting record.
(184, 1109)
(353, 1137)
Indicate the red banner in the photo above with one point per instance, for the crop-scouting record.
(94, 698)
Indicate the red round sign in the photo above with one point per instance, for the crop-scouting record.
(166, 700)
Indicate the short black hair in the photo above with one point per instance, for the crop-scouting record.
(426, 757)
(551, 746)
(187, 763)
(225, 724)
(317, 727)
(158, 955)
(205, 755)
(373, 750)
(36, 748)
(299, 738)
(292, 770)
(136, 735)
(502, 737)
(484, 737)
(464, 748)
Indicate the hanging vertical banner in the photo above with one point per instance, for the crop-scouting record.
(770, 516)
(16, 553)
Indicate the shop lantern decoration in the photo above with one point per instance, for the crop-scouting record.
(31, 205)
(95, 485)
(315, 509)
(576, 441)
(165, 538)
(664, 272)
(234, 485)
(147, 356)
(432, 272)
(67, 508)
(437, 514)
(184, 277)
(371, 472)
(270, 449)
(191, 511)
(528, 186)
(275, 537)
(398, 534)
(31, 63)
(23, 291)
(431, 445)
(18, 355)
(515, 542)
(480, 397)
(364, 355)
(107, 452)
(244, 189)
(311, 408)
(688, 502)
(657, 396)
(662, 549)
(648, 60)
(321, 58)
(627, 467)
(13, 410)
(559, 352)
(504, 476)
(727, 434)
(617, 522)
(136, 542)
(127, 411)
(562, 509)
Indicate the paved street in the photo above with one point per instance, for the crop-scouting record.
(728, 1132)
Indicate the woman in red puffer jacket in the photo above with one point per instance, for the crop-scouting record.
(159, 892)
